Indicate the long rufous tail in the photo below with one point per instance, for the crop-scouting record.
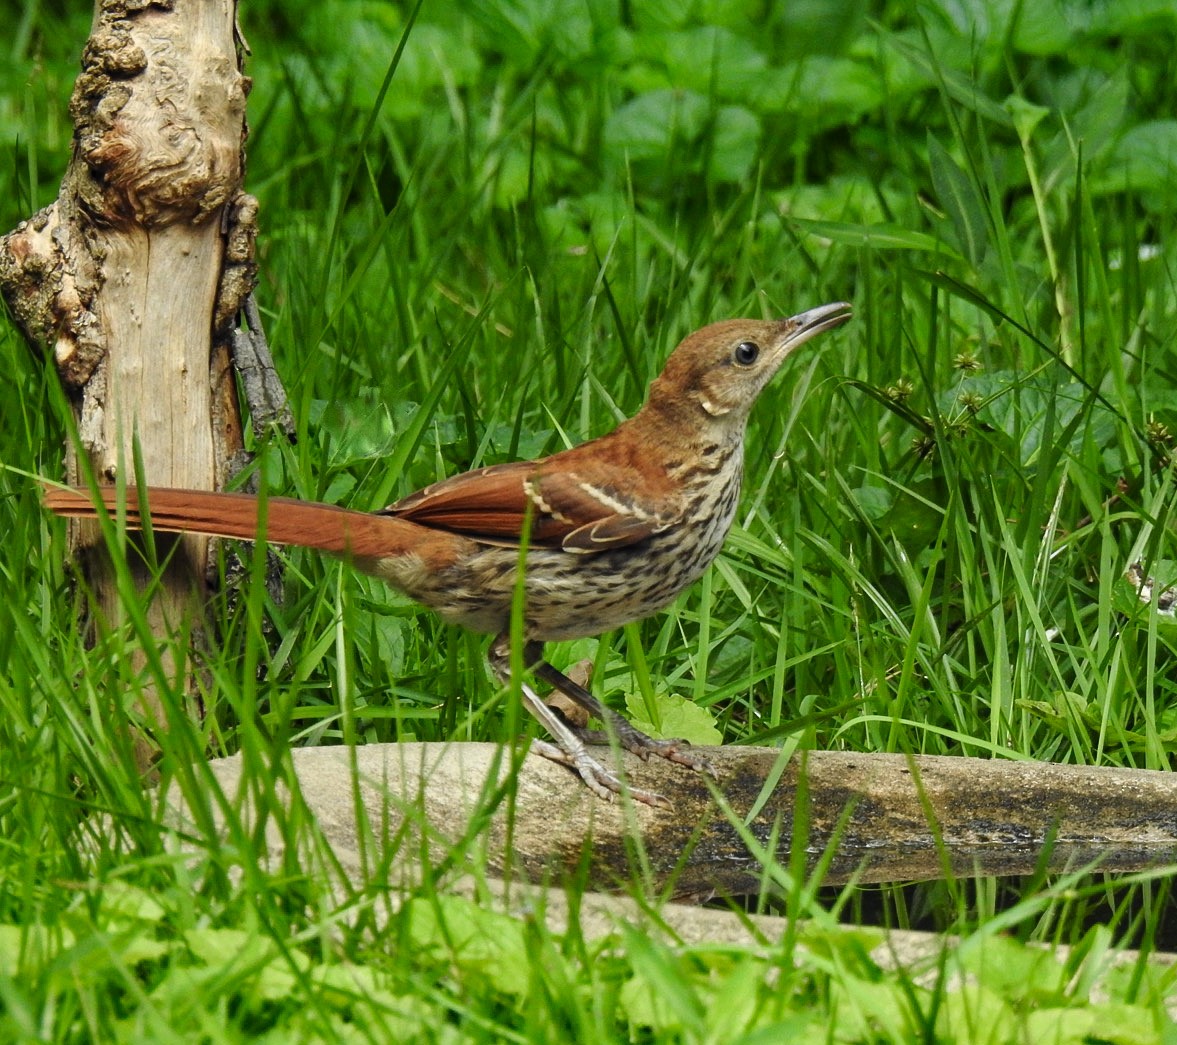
(307, 524)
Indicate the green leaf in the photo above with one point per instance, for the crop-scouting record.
(1060, 1027)
(964, 1012)
(123, 903)
(1026, 115)
(959, 197)
(659, 994)
(871, 1011)
(10, 948)
(1111, 1022)
(1028, 410)
(735, 144)
(1144, 160)
(711, 61)
(1133, 18)
(962, 89)
(885, 236)
(680, 718)
(649, 126)
(476, 940)
(138, 947)
(873, 501)
(818, 91)
(1048, 27)
(254, 958)
(359, 429)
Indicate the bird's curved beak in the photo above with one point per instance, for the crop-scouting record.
(798, 329)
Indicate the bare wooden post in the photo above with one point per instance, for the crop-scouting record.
(133, 277)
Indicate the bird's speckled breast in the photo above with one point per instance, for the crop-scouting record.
(571, 595)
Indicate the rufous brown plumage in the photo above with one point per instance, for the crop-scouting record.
(618, 525)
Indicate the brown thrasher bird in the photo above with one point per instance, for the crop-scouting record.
(618, 525)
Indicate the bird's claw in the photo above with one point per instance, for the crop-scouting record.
(600, 781)
(677, 750)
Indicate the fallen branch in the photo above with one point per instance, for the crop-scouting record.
(883, 817)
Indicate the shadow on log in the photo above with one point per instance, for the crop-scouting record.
(875, 818)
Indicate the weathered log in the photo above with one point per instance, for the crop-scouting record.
(881, 817)
(373, 806)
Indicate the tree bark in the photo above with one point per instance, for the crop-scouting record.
(133, 277)
(863, 818)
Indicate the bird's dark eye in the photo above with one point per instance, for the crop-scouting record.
(746, 353)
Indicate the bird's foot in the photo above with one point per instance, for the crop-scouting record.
(628, 735)
(570, 735)
(601, 782)
(678, 750)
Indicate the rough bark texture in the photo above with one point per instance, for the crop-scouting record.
(878, 818)
(133, 276)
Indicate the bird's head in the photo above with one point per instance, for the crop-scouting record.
(721, 369)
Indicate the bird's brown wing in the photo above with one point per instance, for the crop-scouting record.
(491, 504)
(487, 503)
(596, 515)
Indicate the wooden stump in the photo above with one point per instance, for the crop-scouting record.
(133, 277)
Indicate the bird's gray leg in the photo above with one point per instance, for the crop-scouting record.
(568, 748)
(628, 735)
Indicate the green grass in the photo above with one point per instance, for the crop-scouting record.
(492, 263)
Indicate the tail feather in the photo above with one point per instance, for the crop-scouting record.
(306, 524)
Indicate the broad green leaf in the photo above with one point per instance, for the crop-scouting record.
(873, 501)
(961, 88)
(819, 91)
(680, 717)
(476, 940)
(1143, 160)
(872, 1011)
(1113, 1023)
(1026, 115)
(960, 199)
(1048, 27)
(1056, 1026)
(711, 61)
(123, 903)
(10, 947)
(660, 994)
(1132, 18)
(254, 957)
(1026, 409)
(734, 145)
(649, 126)
(976, 1014)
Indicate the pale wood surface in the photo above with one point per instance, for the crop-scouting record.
(885, 817)
(133, 277)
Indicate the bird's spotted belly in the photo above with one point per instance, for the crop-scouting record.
(572, 595)
(600, 592)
